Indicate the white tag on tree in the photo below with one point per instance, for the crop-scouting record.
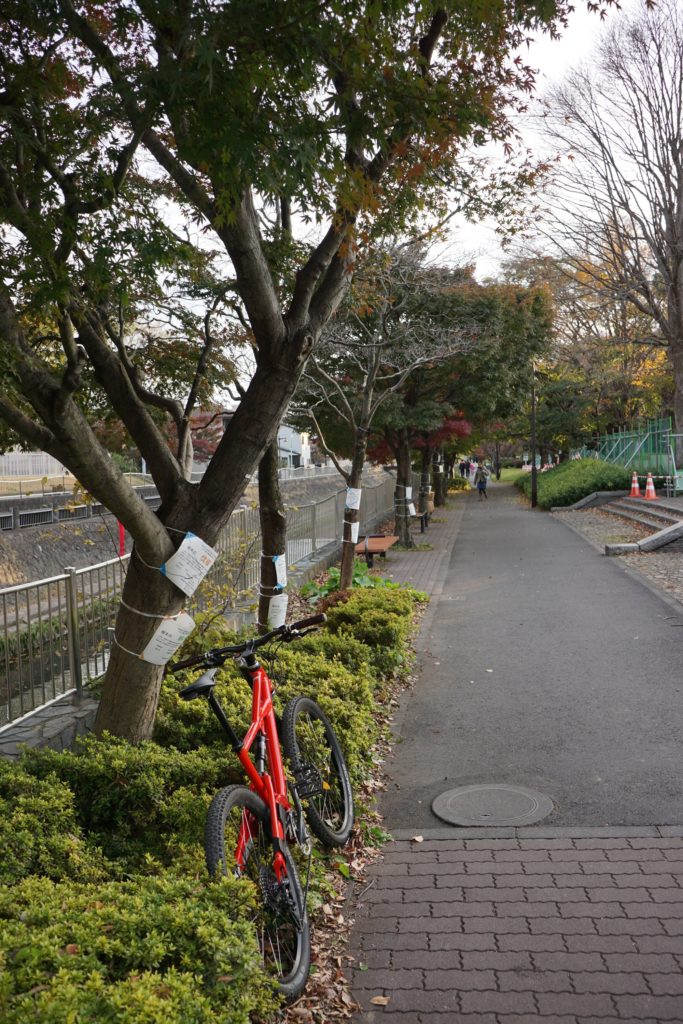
(167, 638)
(411, 510)
(409, 493)
(190, 564)
(353, 497)
(355, 527)
(280, 563)
(277, 610)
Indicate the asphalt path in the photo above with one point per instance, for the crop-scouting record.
(544, 664)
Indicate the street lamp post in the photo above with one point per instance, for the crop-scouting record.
(534, 476)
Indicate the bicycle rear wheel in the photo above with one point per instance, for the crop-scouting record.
(318, 764)
(237, 840)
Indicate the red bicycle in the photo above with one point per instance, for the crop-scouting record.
(249, 830)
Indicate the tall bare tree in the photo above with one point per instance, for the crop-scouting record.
(616, 205)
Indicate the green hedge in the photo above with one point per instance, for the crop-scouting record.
(142, 951)
(107, 914)
(575, 479)
(39, 830)
(137, 802)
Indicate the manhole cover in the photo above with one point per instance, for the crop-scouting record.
(492, 805)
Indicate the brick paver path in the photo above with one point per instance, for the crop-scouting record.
(495, 926)
(496, 931)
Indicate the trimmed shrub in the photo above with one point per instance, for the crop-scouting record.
(381, 620)
(161, 950)
(346, 697)
(138, 801)
(349, 652)
(458, 483)
(575, 479)
(118, 923)
(39, 830)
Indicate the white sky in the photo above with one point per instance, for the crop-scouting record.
(553, 59)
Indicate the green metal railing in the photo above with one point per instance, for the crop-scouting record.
(646, 449)
(650, 447)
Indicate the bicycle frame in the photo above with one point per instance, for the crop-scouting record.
(270, 787)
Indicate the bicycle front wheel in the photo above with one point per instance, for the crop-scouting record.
(237, 841)
(319, 768)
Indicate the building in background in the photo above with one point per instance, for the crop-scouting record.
(38, 464)
(294, 447)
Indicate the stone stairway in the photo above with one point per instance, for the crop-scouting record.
(656, 515)
(663, 518)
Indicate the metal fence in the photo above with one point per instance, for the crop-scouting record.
(310, 528)
(306, 472)
(55, 634)
(650, 447)
(56, 484)
(61, 508)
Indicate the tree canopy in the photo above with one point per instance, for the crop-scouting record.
(157, 150)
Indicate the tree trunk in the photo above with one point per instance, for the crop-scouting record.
(273, 531)
(129, 699)
(425, 477)
(352, 515)
(677, 361)
(404, 483)
(439, 480)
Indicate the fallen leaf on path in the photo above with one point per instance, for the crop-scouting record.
(417, 839)
(380, 1000)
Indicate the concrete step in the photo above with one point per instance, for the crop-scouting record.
(638, 517)
(660, 505)
(657, 517)
(666, 522)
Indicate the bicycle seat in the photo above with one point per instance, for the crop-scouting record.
(201, 687)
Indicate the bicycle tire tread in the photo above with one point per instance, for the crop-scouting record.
(328, 837)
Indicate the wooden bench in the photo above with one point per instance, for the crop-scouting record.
(374, 544)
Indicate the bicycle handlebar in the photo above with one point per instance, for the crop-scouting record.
(218, 655)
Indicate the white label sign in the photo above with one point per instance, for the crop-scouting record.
(167, 638)
(355, 527)
(409, 493)
(277, 610)
(353, 497)
(411, 510)
(190, 564)
(280, 563)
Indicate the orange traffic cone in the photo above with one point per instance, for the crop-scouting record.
(650, 488)
(635, 489)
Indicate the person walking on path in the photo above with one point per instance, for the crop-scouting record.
(481, 477)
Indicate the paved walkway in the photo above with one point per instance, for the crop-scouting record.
(575, 920)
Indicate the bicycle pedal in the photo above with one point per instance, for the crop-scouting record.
(308, 779)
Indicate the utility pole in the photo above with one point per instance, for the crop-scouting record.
(534, 479)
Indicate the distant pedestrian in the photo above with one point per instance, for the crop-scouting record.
(463, 467)
(481, 477)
